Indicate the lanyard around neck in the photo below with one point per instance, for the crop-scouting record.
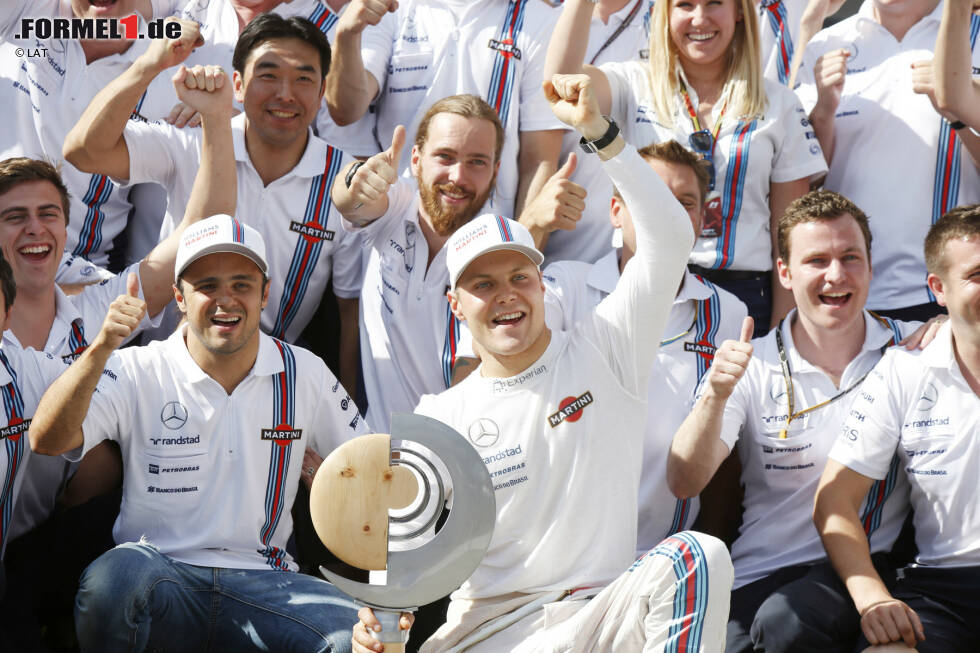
(619, 30)
(664, 343)
(791, 413)
(694, 114)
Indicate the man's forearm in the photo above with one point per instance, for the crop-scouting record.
(349, 85)
(100, 129)
(822, 122)
(697, 449)
(570, 39)
(57, 423)
(953, 65)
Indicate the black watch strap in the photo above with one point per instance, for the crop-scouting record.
(603, 141)
(956, 125)
(349, 177)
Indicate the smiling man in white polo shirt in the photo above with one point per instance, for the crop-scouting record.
(569, 407)
(409, 337)
(781, 399)
(284, 170)
(212, 424)
(922, 408)
(701, 318)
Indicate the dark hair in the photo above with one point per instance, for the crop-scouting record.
(19, 170)
(268, 26)
(961, 222)
(7, 283)
(673, 152)
(467, 106)
(815, 206)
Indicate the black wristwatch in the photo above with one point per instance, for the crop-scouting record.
(593, 147)
(956, 125)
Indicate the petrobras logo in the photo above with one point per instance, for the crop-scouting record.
(570, 409)
(505, 47)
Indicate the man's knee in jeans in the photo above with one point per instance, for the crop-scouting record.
(115, 586)
(801, 621)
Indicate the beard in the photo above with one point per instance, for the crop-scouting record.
(445, 220)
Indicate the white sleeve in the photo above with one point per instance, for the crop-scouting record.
(337, 419)
(622, 324)
(110, 411)
(798, 155)
(400, 198)
(871, 431)
(348, 271)
(377, 43)
(162, 154)
(557, 314)
(621, 91)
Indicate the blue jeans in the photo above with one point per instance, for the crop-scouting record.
(134, 598)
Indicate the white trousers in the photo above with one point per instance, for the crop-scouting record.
(674, 598)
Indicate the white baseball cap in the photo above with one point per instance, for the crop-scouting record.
(487, 233)
(219, 233)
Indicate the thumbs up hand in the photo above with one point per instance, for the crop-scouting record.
(125, 314)
(560, 203)
(731, 361)
(373, 179)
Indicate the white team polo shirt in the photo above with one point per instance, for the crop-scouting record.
(77, 321)
(748, 157)
(219, 28)
(422, 53)
(918, 406)
(779, 33)
(592, 237)
(305, 243)
(701, 318)
(211, 477)
(887, 134)
(24, 376)
(46, 98)
(409, 336)
(781, 475)
(563, 440)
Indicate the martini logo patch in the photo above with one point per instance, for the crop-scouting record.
(570, 409)
(311, 231)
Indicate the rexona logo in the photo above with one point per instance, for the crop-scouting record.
(570, 409)
(15, 429)
(282, 434)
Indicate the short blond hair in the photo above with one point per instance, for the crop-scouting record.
(963, 222)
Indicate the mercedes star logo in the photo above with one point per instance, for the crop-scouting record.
(928, 399)
(484, 432)
(173, 415)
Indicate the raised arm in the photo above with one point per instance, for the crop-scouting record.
(208, 91)
(568, 46)
(365, 198)
(350, 87)
(839, 496)
(57, 424)
(925, 82)
(811, 22)
(956, 91)
(828, 77)
(697, 449)
(641, 301)
(96, 143)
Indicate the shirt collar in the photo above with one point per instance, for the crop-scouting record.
(939, 352)
(876, 336)
(310, 164)
(5, 378)
(693, 289)
(267, 362)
